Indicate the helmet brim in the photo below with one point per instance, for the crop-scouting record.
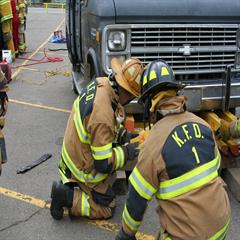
(160, 87)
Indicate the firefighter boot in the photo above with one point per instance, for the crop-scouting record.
(62, 196)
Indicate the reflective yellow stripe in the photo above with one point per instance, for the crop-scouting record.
(10, 16)
(145, 80)
(103, 152)
(80, 175)
(85, 211)
(190, 180)
(82, 134)
(4, 2)
(164, 71)
(153, 75)
(130, 222)
(144, 188)
(63, 177)
(220, 235)
(119, 157)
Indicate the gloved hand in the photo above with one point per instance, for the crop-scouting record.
(130, 151)
(234, 128)
(123, 236)
(124, 136)
(224, 130)
(231, 129)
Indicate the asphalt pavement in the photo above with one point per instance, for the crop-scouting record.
(41, 98)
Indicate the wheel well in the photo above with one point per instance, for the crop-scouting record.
(91, 66)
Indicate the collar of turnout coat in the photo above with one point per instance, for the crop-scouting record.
(172, 105)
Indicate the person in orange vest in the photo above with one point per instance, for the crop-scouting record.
(89, 155)
(3, 109)
(6, 20)
(178, 165)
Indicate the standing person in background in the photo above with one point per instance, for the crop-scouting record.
(3, 110)
(88, 154)
(178, 165)
(6, 22)
(22, 17)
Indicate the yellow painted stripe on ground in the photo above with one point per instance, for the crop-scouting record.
(113, 227)
(103, 224)
(30, 69)
(23, 197)
(37, 50)
(39, 106)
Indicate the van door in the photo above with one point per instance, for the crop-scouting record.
(78, 29)
(70, 31)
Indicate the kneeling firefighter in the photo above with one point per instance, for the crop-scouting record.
(3, 110)
(88, 156)
(178, 164)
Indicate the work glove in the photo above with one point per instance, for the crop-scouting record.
(224, 130)
(124, 136)
(131, 151)
(234, 128)
(123, 236)
(231, 129)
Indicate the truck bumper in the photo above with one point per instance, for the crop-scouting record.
(210, 97)
(201, 97)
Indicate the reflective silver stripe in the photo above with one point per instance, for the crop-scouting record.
(85, 205)
(102, 154)
(189, 181)
(119, 157)
(82, 134)
(130, 222)
(80, 175)
(144, 188)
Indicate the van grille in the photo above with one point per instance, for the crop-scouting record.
(189, 49)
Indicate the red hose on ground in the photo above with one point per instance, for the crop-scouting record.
(44, 59)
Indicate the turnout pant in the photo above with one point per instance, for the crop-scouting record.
(94, 205)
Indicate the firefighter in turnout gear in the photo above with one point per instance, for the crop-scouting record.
(6, 22)
(89, 157)
(3, 110)
(178, 165)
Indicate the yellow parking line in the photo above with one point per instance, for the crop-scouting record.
(103, 224)
(23, 197)
(39, 106)
(37, 50)
(30, 69)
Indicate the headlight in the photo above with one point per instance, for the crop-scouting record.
(117, 41)
(238, 38)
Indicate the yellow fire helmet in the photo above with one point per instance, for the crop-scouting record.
(128, 74)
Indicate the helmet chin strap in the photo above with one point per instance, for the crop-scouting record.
(113, 82)
(146, 114)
